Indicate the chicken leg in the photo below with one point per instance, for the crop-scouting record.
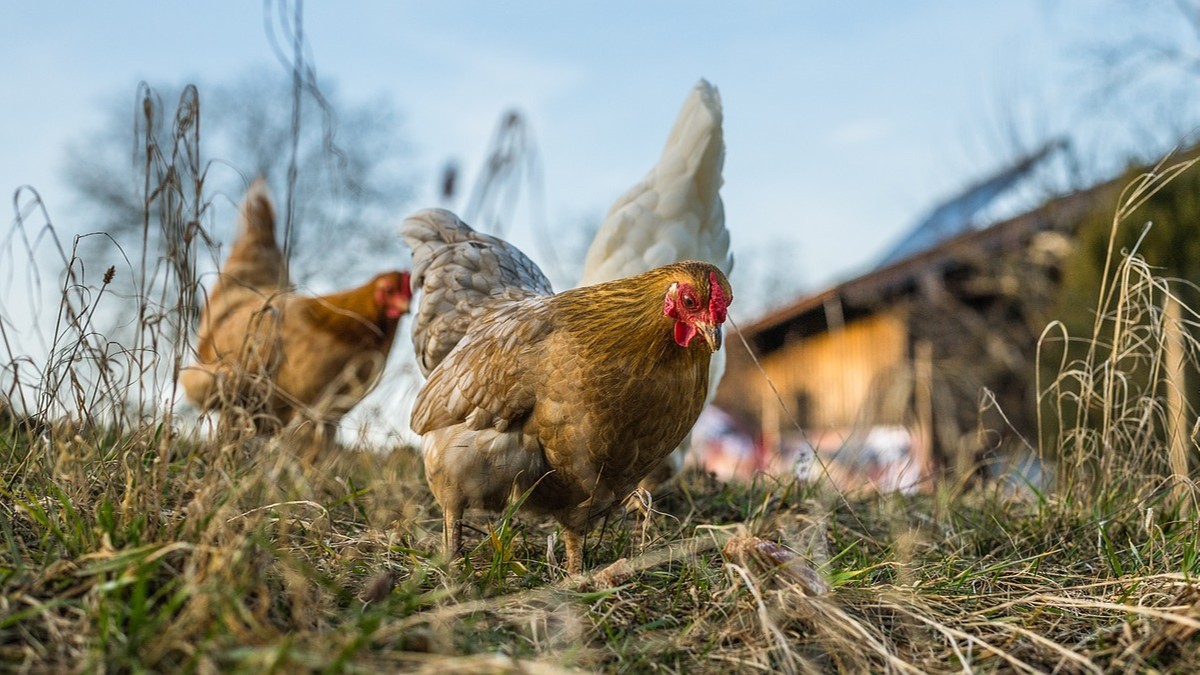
(452, 530)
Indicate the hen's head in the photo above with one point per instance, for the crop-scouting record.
(698, 300)
(393, 294)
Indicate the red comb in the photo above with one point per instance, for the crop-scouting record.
(716, 300)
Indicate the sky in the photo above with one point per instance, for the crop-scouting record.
(844, 122)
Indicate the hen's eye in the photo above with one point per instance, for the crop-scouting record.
(689, 302)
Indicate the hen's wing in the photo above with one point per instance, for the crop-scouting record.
(675, 213)
(488, 380)
(461, 273)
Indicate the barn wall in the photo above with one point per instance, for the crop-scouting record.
(825, 379)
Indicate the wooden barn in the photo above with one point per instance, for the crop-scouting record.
(925, 361)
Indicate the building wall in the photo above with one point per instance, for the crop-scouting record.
(825, 379)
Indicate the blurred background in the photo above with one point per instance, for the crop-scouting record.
(843, 125)
(847, 128)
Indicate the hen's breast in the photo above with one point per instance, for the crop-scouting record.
(605, 424)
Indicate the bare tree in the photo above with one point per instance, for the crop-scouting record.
(1150, 70)
(349, 185)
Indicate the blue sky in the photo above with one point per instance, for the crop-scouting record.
(844, 121)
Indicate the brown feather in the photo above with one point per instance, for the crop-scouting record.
(255, 261)
(280, 357)
(575, 396)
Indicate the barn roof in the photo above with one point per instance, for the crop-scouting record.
(962, 213)
(808, 315)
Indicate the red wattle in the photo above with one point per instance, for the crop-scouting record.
(684, 332)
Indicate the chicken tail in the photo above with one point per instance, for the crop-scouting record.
(254, 258)
(460, 273)
(675, 213)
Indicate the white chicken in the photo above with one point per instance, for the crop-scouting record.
(675, 213)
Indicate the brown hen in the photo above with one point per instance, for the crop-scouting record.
(573, 397)
(280, 359)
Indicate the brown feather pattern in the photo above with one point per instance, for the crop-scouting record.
(580, 394)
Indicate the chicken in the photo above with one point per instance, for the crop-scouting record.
(254, 269)
(675, 213)
(572, 398)
(286, 359)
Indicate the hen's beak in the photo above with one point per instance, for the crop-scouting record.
(712, 334)
(398, 307)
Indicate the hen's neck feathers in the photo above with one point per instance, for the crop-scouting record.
(622, 321)
(353, 315)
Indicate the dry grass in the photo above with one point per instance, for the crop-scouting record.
(126, 545)
(134, 552)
